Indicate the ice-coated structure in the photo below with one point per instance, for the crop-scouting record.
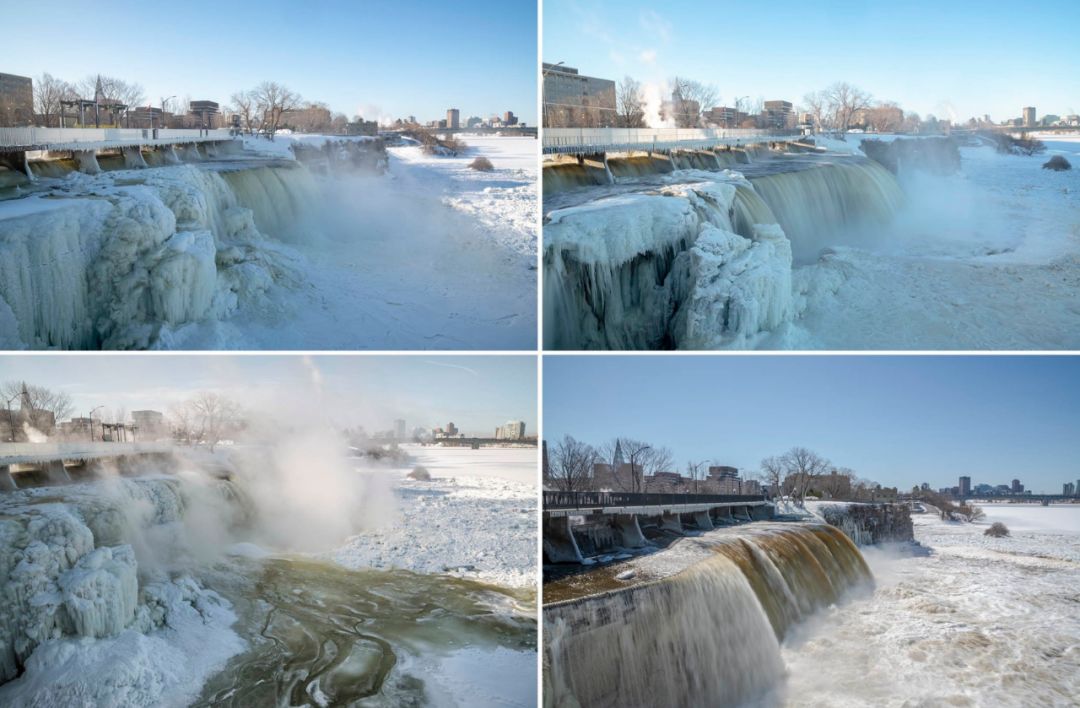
(698, 259)
(107, 261)
(72, 568)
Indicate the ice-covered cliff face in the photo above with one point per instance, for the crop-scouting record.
(71, 566)
(697, 266)
(108, 261)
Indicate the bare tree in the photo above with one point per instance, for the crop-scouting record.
(48, 92)
(243, 104)
(113, 89)
(696, 472)
(630, 103)
(571, 464)
(772, 474)
(271, 101)
(814, 103)
(802, 465)
(844, 101)
(885, 117)
(339, 124)
(216, 417)
(689, 98)
(39, 398)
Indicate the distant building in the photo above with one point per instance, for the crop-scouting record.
(453, 118)
(399, 429)
(965, 486)
(779, 114)
(1017, 488)
(362, 127)
(16, 100)
(204, 113)
(149, 424)
(572, 100)
(509, 118)
(1068, 489)
(76, 428)
(1050, 119)
(474, 121)
(451, 430)
(1029, 117)
(511, 430)
(147, 117)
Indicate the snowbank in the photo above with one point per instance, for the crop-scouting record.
(476, 518)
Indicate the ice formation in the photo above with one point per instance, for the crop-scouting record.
(72, 569)
(701, 259)
(107, 261)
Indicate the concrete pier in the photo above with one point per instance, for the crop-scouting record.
(133, 158)
(87, 161)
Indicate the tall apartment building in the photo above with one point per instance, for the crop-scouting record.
(453, 118)
(1029, 116)
(16, 100)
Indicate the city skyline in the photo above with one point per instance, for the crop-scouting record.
(477, 393)
(354, 58)
(894, 420)
(958, 61)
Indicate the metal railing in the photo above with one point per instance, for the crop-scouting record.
(596, 500)
(13, 453)
(576, 139)
(65, 138)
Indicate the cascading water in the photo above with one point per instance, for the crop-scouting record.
(104, 262)
(708, 635)
(635, 271)
(812, 205)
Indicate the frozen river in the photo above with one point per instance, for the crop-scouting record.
(977, 621)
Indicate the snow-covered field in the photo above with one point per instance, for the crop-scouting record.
(978, 621)
(475, 518)
(250, 251)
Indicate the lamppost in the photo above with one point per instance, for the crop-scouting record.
(91, 417)
(738, 102)
(11, 419)
(162, 112)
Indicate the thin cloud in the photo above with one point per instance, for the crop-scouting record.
(648, 56)
(453, 366)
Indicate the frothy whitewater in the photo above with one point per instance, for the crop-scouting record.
(978, 621)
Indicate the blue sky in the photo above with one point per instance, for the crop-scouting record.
(897, 420)
(477, 393)
(954, 59)
(378, 58)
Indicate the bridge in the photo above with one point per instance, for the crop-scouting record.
(612, 518)
(597, 141)
(84, 144)
(38, 464)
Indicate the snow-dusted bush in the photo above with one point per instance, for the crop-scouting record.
(420, 473)
(1057, 163)
(482, 164)
(997, 530)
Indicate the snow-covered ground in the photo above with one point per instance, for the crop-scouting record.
(475, 518)
(977, 621)
(242, 252)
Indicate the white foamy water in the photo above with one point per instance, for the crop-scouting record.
(978, 621)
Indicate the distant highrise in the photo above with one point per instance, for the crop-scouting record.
(1029, 116)
(453, 118)
(965, 486)
(1068, 489)
(1017, 488)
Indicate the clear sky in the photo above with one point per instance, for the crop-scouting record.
(477, 393)
(378, 58)
(954, 59)
(899, 421)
